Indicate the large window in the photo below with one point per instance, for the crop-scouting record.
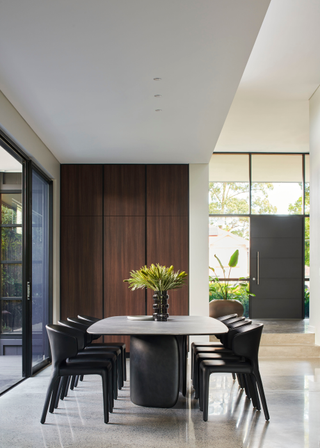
(242, 185)
(25, 287)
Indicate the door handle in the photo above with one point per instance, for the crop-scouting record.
(258, 268)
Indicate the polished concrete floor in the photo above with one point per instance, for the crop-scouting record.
(292, 389)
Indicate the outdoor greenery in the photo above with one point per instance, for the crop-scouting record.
(11, 274)
(157, 278)
(233, 198)
(226, 290)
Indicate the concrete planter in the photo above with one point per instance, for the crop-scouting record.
(219, 308)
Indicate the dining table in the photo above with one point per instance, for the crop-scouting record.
(158, 353)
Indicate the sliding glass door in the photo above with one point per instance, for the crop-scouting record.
(25, 299)
(40, 267)
(11, 300)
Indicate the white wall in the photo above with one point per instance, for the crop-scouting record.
(199, 240)
(315, 213)
(265, 125)
(20, 132)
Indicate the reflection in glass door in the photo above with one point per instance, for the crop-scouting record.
(40, 267)
(11, 308)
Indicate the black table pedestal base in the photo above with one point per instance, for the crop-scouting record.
(154, 371)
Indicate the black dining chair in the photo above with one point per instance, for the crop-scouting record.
(101, 353)
(223, 351)
(80, 323)
(64, 345)
(245, 345)
(122, 346)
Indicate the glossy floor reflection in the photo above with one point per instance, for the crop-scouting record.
(292, 389)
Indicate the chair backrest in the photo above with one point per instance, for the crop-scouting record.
(227, 317)
(247, 341)
(83, 337)
(234, 320)
(228, 337)
(63, 343)
(90, 319)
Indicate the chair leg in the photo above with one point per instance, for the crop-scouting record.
(76, 381)
(67, 386)
(256, 373)
(205, 393)
(254, 393)
(54, 381)
(63, 387)
(56, 404)
(124, 370)
(73, 381)
(55, 397)
(120, 372)
(105, 393)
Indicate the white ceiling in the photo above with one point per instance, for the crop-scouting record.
(81, 74)
(285, 62)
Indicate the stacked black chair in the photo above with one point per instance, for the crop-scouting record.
(245, 346)
(64, 346)
(91, 320)
(223, 351)
(102, 353)
(228, 320)
(102, 346)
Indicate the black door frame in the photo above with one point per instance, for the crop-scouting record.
(28, 167)
(305, 215)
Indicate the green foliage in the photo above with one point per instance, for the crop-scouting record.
(296, 209)
(224, 290)
(157, 278)
(233, 198)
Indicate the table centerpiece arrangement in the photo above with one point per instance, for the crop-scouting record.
(160, 279)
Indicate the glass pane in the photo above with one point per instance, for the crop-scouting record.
(11, 208)
(307, 184)
(229, 198)
(11, 317)
(40, 267)
(11, 244)
(276, 198)
(226, 235)
(276, 168)
(234, 291)
(11, 273)
(11, 280)
(229, 168)
(306, 298)
(307, 248)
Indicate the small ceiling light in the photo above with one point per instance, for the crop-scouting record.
(157, 79)
(158, 110)
(157, 95)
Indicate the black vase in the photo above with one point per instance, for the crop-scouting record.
(160, 306)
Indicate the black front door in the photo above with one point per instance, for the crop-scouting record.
(277, 267)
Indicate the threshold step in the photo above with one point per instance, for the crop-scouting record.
(287, 339)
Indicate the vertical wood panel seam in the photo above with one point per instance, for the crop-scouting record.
(145, 235)
(103, 222)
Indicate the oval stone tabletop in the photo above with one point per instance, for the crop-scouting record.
(175, 325)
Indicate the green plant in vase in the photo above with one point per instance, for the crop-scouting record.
(160, 279)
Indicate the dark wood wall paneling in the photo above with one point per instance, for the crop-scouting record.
(167, 196)
(81, 240)
(115, 218)
(124, 239)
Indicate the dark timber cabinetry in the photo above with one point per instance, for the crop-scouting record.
(115, 218)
